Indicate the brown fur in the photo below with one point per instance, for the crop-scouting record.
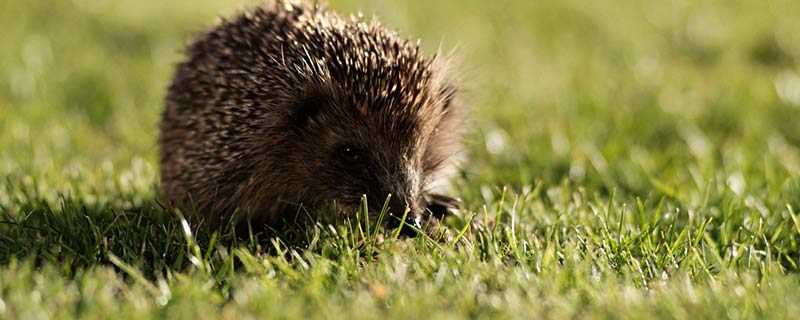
(290, 104)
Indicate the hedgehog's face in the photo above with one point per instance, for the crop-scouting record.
(370, 147)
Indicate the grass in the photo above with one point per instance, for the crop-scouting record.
(627, 159)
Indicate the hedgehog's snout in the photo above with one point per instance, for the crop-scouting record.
(397, 192)
(403, 215)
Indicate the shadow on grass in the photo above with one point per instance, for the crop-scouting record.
(76, 235)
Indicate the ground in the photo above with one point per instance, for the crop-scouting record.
(625, 159)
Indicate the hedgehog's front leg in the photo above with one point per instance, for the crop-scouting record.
(440, 206)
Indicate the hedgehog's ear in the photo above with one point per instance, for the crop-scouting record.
(306, 110)
(448, 93)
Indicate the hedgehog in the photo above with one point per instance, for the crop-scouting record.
(290, 106)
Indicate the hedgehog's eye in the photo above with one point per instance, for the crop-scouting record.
(349, 154)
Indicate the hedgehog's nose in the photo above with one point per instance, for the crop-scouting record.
(408, 228)
(413, 219)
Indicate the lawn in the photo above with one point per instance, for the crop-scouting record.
(625, 159)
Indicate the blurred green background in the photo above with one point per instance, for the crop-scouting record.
(638, 142)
